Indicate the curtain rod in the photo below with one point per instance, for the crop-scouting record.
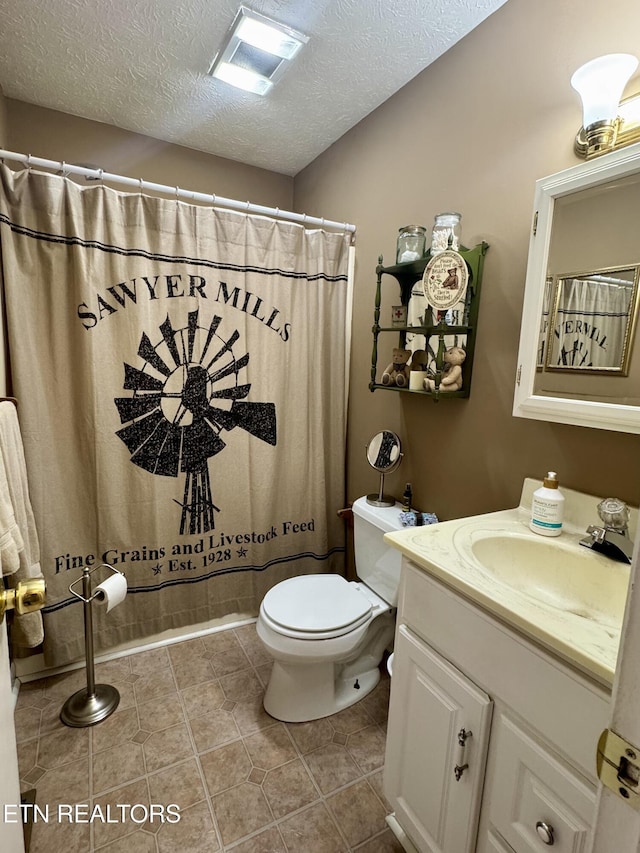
(190, 195)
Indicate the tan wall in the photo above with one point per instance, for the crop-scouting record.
(3, 120)
(472, 133)
(58, 136)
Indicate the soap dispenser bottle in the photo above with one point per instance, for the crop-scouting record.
(547, 507)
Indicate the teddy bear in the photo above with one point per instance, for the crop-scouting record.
(452, 373)
(397, 373)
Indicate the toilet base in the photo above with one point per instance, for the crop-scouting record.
(297, 694)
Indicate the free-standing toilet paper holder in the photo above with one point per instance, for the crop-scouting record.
(95, 702)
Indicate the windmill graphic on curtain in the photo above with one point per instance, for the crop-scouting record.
(185, 396)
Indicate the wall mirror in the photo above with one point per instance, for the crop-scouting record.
(579, 358)
(592, 321)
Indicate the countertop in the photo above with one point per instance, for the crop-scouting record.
(441, 551)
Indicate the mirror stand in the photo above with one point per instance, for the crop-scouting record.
(384, 455)
(381, 499)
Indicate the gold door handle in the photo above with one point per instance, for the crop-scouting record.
(27, 597)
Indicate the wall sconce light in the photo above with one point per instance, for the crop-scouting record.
(607, 124)
(256, 52)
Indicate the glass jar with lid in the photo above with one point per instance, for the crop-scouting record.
(411, 243)
(446, 233)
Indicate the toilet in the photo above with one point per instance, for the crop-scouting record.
(327, 635)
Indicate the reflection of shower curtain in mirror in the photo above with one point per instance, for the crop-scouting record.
(547, 302)
(181, 377)
(591, 324)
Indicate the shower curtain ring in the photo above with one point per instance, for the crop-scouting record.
(248, 206)
(140, 185)
(28, 162)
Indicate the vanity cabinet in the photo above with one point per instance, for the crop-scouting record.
(437, 787)
(534, 720)
(456, 327)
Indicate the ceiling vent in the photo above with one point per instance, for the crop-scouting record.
(256, 52)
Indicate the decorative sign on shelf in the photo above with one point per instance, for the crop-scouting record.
(445, 280)
(399, 316)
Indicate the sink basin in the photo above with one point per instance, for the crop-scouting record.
(562, 574)
(551, 590)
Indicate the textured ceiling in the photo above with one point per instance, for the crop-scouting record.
(142, 65)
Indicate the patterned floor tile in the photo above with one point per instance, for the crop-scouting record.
(190, 731)
(312, 829)
(358, 812)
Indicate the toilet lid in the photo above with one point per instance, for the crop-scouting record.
(316, 605)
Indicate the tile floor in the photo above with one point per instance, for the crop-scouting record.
(190, 729)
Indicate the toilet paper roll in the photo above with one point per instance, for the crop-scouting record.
(416, 378)
(112, 591)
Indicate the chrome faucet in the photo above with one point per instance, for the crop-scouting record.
(612, 538)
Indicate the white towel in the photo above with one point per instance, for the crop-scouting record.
(11, 542)
(19, 544)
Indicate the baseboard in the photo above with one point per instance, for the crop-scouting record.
(31, 672)
(400, 834)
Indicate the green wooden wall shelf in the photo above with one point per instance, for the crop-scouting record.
(406, 276)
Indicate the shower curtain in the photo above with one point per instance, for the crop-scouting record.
(591, 324)
(180, 376)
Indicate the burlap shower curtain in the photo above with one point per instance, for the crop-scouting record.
(180, 376)
(591, 324)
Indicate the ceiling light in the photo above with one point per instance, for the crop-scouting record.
(243, 78)
(273, 39)
(600, 84)
(256, 52)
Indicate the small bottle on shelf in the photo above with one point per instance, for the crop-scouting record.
(407, 497)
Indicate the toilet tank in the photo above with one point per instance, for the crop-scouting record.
(377, 564)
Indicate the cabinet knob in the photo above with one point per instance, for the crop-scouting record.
(545, 832)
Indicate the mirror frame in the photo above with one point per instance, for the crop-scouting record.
(622, 367)
(528, 404)
(393, 464)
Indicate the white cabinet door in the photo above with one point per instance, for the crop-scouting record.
(432, 780)
(536, 800)
(491, 843)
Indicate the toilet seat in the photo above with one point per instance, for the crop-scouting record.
(315, 607)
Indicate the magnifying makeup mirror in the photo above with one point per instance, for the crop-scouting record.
(384, 454)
